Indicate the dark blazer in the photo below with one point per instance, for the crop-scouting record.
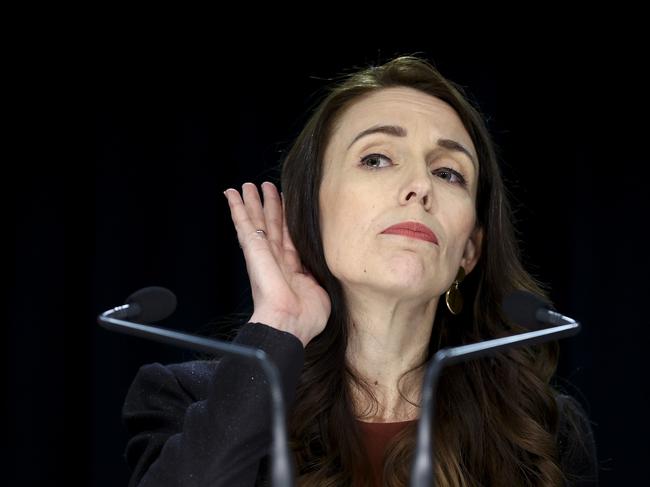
(207, 422)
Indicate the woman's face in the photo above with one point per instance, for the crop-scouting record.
(411, 177)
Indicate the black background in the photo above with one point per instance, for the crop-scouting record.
(163, 132)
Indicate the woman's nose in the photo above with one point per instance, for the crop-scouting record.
(420, 185)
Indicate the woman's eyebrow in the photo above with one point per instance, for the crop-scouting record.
(397, 131)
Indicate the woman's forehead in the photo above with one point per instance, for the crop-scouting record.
(401, 108)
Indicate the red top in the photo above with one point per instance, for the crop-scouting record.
(376, 436)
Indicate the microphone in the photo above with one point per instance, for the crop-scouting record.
(147, 305)
(520, 307)
(155, 303)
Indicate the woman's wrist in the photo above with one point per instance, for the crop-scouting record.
(281, 322)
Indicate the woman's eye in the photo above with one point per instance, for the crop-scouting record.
(459, 177)
(370, 157)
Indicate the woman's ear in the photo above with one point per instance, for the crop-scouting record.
(472, 251)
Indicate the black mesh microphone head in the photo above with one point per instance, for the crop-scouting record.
(156, 303)
(521, 308)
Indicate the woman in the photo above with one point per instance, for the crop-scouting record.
(351, 310)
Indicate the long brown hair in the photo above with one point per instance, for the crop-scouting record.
(496, 418)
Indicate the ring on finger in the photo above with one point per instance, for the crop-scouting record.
(260, 232)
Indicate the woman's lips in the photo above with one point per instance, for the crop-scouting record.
(413, 230)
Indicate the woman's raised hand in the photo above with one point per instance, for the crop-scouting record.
(285, 295)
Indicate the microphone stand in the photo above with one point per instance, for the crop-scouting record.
(282, 469)
(422, 469)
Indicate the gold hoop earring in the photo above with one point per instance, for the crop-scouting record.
(453, 296)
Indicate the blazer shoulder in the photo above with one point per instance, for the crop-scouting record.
(177, 385)
(189, 379)
(155, 406)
